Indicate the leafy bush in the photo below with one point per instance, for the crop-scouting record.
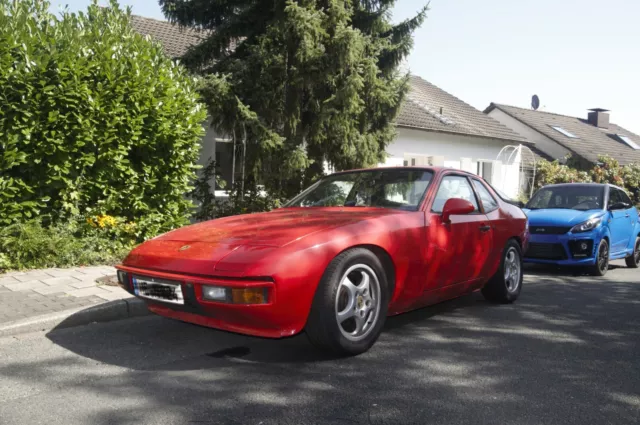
(607, 171)
(253, 200)
(554, 172)
(32, 245)
(95, 119)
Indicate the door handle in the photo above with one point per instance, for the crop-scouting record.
(627, 215)
(484, 228)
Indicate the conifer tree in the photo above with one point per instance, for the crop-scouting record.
(300, 82)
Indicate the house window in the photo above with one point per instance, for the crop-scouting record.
(565, 132)
(413, 162)
(485, 170)
(406, 163)
(628, 141)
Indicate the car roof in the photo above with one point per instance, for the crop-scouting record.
(584, 184)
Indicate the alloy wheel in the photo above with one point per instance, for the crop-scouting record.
(512, 270)
(357, 306)
(603, 257)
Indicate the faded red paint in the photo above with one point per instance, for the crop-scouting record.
(287, 251)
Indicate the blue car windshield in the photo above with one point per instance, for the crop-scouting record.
(574, 197)
(396, 188)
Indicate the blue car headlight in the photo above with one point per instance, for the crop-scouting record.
(587, 225)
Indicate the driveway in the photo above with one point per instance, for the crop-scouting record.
(568, 352)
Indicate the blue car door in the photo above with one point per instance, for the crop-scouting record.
(621, 224)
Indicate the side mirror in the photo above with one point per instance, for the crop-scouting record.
(456, 206)
(619, 206)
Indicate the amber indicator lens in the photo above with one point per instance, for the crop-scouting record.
(249, 295)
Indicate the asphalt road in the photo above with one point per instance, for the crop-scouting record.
(568, 352)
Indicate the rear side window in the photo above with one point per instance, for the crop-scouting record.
(488, 201)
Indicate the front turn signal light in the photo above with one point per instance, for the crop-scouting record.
(249, 295)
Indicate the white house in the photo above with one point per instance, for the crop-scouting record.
(437, 128)
(433, 127)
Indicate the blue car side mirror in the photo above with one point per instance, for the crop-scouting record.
(619, 206)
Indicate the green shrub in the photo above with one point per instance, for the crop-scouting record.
(31, 245)
(252, 200)
(94, 119)
(554, 172)
(608, 170)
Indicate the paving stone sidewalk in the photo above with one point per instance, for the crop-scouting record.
(24, 295)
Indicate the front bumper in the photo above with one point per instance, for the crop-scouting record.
(564, 250)
(270, 320)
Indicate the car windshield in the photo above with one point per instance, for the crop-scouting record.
(397, 188)
(575, 197)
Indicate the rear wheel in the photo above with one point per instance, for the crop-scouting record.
(505, 286)
(633, 260)
(350, 305)
(602, 259)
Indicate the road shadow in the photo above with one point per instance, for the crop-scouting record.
(566, 352)
(227, 345)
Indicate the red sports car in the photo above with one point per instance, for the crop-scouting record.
(352, 249)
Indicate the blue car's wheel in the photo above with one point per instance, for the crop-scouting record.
(602, 259)
(633, 261)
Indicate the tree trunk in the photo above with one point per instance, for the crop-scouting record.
(233, 164)
(244, 155)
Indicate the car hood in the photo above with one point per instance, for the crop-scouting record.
(199, 247)
(559, 217)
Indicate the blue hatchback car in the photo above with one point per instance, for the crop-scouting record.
(583, 225)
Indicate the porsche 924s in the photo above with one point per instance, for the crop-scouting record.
(335, 261)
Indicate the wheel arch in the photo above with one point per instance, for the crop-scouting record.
(386, 260)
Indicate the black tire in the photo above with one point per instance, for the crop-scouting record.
(633, 261)
(501, 289)
(323, 329)
(601, 266)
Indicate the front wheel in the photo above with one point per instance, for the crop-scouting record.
(505, 286)
(350, 305)
(602, 259)
(633, 261)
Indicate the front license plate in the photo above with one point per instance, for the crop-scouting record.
(158, 289)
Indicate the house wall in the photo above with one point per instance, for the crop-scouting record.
(542, 142)
(455, 151)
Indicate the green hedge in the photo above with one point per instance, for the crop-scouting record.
(608, 170)
(94, 119)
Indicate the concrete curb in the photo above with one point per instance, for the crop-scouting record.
(107, 312)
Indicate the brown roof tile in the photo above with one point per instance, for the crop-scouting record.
(591, 141)
(428, 107)
(174, 39)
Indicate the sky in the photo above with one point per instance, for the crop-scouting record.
(574, 54)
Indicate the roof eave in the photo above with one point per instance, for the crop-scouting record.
(457, 133)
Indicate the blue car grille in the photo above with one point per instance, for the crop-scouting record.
(546, 251)
(548, 230)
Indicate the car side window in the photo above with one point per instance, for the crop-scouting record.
(488, 201)
(453, 187)
(614, 196)
(625, 198)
